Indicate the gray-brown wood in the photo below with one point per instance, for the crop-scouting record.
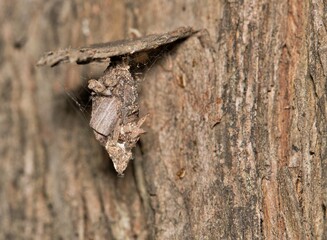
(236, 135)
(102, 52)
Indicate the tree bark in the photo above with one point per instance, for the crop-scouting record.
(236, 135)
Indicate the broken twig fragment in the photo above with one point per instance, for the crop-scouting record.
(115, 111)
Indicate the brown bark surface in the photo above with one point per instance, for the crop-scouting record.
(236, 135)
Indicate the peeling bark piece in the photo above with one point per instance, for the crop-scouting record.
(104, 51)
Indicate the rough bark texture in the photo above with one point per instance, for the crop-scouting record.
(236, 137)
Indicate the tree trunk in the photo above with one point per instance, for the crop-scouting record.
(236, 135)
